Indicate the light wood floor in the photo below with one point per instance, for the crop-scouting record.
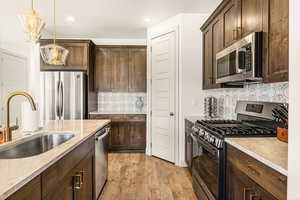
(135, 176)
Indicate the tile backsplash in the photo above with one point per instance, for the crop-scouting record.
(227, 98)
(122, 103)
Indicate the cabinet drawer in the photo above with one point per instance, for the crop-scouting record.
(271, 180)
(31, 190)
(135, 118)
(52, 177)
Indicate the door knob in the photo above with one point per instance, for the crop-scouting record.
(171, 114)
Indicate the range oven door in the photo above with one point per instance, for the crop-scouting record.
(207, 170)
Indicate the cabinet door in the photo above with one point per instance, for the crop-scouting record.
(120, 67)
(241, 187)
(217, 45)
(278, 39)
(118, 138)
(230, 16)
(85, 171)
(251, 16)
(137, 135)
(78, 55)
(103, 69)
(137, 69)
(207, 59)
(31, 191)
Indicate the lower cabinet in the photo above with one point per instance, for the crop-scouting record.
(241, 187)
(31, 191)
(128, 132)
(70, 178)
(127, 136)
(249, 179)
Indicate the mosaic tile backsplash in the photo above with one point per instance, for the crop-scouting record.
(122, 103)
(227, 98)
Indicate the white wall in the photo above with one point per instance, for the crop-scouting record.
(13, 40)
(294, 102)
(189, 72)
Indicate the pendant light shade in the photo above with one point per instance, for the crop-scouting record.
(32, 24)
(54, 54)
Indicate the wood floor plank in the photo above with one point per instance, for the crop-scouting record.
(136, 176)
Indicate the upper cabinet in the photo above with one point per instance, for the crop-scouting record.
(230, 21)
(79, 57)
(277, 41)
(235, 19)
(137, 69)
(250, 17)
(120, 69)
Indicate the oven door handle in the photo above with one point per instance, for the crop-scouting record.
(208, 147)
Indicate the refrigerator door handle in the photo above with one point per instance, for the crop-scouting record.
(61, 99)
(58, 100)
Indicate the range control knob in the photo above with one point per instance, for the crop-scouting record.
(212, 139)
(201, 133)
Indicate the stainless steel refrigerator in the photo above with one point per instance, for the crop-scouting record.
(65, 95)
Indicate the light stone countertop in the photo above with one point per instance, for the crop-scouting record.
(117, 113)
(15, 173)
(269, 151)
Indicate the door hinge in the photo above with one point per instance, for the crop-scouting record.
(150, 49)
(151, 145)
(151, 113)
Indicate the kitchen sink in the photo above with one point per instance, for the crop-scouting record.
(36, 145)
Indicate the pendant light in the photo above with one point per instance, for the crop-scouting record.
(54, 54)
(32, 24)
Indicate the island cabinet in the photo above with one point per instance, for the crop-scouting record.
(128, 132)
(235, 19)
(70, 178)
(249, 179)
(120, 69)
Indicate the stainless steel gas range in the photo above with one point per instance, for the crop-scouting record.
(254, 119)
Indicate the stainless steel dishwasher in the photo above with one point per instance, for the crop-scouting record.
(101, 159)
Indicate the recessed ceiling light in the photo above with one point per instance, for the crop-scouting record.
(71, 19)
(147, 19)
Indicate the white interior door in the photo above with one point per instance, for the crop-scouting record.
(163, 60)
(13, 77)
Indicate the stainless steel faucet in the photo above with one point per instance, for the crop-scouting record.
(8, 131)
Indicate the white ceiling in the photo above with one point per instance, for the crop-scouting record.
(113, 18)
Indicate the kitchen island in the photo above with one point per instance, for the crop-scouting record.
(16, 173)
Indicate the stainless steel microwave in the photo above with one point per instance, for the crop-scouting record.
(240, 62)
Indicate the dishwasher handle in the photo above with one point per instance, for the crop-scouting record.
(100, 137)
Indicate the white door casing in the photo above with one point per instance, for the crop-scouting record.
(163, 71)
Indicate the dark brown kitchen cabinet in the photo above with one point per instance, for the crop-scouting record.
(250, 17)
(103, 70)
(31, 191)
(137, 69)
(137, 136)
(277, 40)
(120, 69)
(80, 52)
(230, 22)
(241, 187)
(118, 139)
(207, 59)
(128, 132)
(70, 178)
(248, 178)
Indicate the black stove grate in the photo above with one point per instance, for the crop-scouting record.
(234, 128)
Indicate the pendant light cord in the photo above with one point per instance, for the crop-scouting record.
(54, 9)
(31, 4)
